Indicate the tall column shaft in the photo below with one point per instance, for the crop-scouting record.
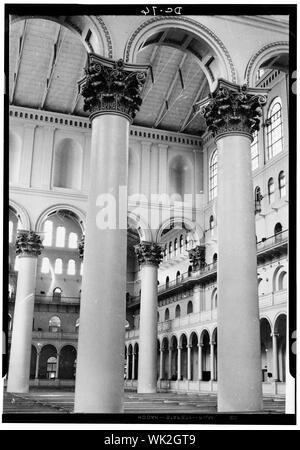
(200, 361)
(212, 361)
(37, 365)
(189, 365)
(239, 385)
(161, 365)
(133, 367)
(99, 375)
(179, 364)
(148, 330)
(20, 354)
(170, 364)
(127, 366)
(57, 366)
(275, 357)
(233, 115)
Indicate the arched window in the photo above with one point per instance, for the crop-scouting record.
(10, 231)
(48, 228)
(57, 294)
(190, 307)
(190, 270)
(211, 222)
(167, 314)
(254, 151)
(282, 281)
(73, 238)
(271, 190)
(51, 367)
(257, 198)
(167, 282)
(54, 324)
(213, 176)
(58, 266)
(278, 231)
(60, 236)
(177, 311)
(45, 265)
(178, 276)
(215, 258)
(181, 243)
(71, 267)
(274, 128)
(175, 246)
(281, 183)
(170, 248)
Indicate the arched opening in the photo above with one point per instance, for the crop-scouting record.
(177, 311)
(56, 297)
(278, 232)
(205, 341)
(190, 270)
(136, 361)
(167, 314)
(257, 199)
(189, 309)
(47, 363)
(165, 359)
(213, 176)
(167, 282)
(178, 277)
(54, 324)
(282, 281)
(194, 356)
(130, 358)
(33, 358)
(214, 299)
(274, 128)
(266, 350)
(215, 258)
(214, 342)
(282, 184)
(271, 190)
(280, 332)
(184, 368)
(174, 358)
(67, 359)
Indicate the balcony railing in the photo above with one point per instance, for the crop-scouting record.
(43, 299)
(274, 241)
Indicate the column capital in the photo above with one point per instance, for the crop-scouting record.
(112, 87)
(81, 247)
(274, 335)
(28, 243)
(233, 109)
(149, 253)
(200, 345)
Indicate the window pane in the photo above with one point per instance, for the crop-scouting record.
(60, 236)
(58, 266)
(45, 265)
(213, 174)
(71, 267)
(48, 228)
(73, 240)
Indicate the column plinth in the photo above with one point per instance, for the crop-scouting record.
(28, 247)
(232, 115)
(111, 92)
(149, 256)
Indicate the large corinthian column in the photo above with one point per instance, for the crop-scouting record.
(232, 115)
(111, 92)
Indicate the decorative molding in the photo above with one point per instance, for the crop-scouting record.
(149, 253)
(107, 36)
(28, 243)
(255, 57)
(81, 247)
(233, 109)
(191, 22)
(112, 87)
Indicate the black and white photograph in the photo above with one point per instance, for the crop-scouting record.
(149, 215)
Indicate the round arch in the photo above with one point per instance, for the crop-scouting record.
(202, 37)
(192, 227)
(140, 225)
(61, 206)
(92, 31)
(21, 214)
(275, 277)
(203, 333)
(263, 54)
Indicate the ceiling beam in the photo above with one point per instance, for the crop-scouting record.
(53, 61)
(190, 115)
(17, 69)
(165, 105)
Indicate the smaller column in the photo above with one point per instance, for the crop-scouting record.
(200, 362)
(212, 361)
(37, 364)
(127, 366)
(57, 365)
(170, 364)
(179, 363)
(161, 364)
(275, 356)
(133, 366)
(189, 371)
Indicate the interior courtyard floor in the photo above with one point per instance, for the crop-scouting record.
(39, 401)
